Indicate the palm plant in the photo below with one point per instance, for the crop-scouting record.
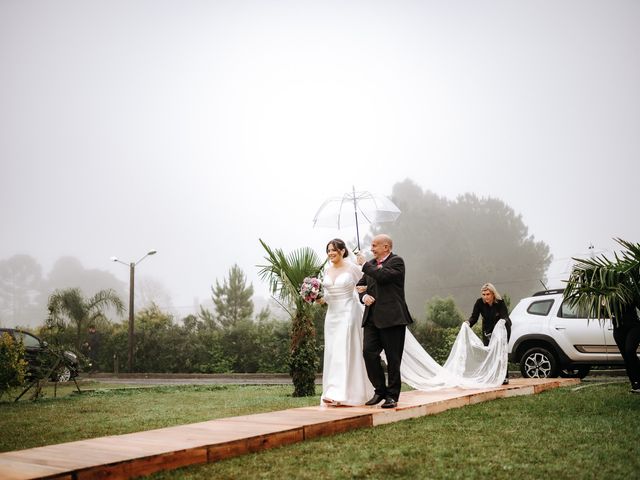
(70, 303)
(285, 274)
(606, 288)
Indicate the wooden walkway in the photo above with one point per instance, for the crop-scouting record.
(138, 454)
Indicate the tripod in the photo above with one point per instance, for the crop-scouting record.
(36, 379)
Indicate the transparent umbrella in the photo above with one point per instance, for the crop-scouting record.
(354, 208)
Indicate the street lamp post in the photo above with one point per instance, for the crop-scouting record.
(132, 270)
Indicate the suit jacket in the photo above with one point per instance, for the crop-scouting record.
(385, 283)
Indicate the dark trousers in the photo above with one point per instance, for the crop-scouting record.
(627, 338)
(391, 340)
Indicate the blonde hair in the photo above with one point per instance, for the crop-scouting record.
(492, 289)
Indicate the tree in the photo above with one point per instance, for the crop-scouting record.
(435, 339)
(160, 345)
(605, 288)
(285, 274)
(272, 339)
(232, 299)
(150, 291)
(72, 305)
(453, 247)
(68, 272)
(443, 312)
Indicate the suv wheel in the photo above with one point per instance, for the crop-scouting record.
(538, 362)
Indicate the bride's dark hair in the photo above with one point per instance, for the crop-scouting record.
(338, 244)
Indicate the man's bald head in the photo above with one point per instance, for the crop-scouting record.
(381, 246)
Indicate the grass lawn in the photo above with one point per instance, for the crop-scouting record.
(584, 432)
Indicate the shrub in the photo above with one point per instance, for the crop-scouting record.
(436, 340)
(13, 366)
(443, 312)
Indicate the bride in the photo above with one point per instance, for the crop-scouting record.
(471, 364)
(344, 377)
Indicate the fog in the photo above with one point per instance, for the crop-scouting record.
(198, 127)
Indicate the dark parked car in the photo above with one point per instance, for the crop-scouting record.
(39, 355)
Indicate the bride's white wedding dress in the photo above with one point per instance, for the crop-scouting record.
(344, 379)
(344, 376)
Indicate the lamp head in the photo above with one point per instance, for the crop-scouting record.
(114, 259)
(152, 252)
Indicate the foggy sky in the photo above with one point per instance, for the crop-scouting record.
(197, 127)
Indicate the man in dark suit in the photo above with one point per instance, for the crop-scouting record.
(385, 319)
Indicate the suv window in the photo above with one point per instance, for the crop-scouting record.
(568, 311)
(541, 307)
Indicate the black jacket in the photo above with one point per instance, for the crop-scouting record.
(490, 316)
(385, 283)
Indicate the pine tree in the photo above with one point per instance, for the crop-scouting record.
(232, 299)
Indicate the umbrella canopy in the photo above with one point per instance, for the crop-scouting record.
(354, 208)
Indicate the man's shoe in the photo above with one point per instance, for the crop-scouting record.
(506, 381)
(389, 403)
(376, 399)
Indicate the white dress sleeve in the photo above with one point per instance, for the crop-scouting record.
(356, 272)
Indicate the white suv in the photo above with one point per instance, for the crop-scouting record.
(550, 338)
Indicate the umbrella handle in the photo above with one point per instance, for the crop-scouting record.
(355, 212)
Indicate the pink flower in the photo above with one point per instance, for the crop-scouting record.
(311, 289)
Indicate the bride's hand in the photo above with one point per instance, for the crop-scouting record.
(360, 260)
(361, 288)
(320, 301)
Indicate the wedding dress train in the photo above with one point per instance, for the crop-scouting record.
(470, 364)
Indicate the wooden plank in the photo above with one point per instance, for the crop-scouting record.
(522, 390)
(11, 469)
(297, 415)
(232, 449)
(254, 444)
(486, 396)
(63, 457)
(145, 466)
(391, 415)
(422, 398)
(279, 439)
(334, 426)
(314, 423)
(448, 404)
(340, 412)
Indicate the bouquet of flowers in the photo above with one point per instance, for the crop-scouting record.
(311, 289)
